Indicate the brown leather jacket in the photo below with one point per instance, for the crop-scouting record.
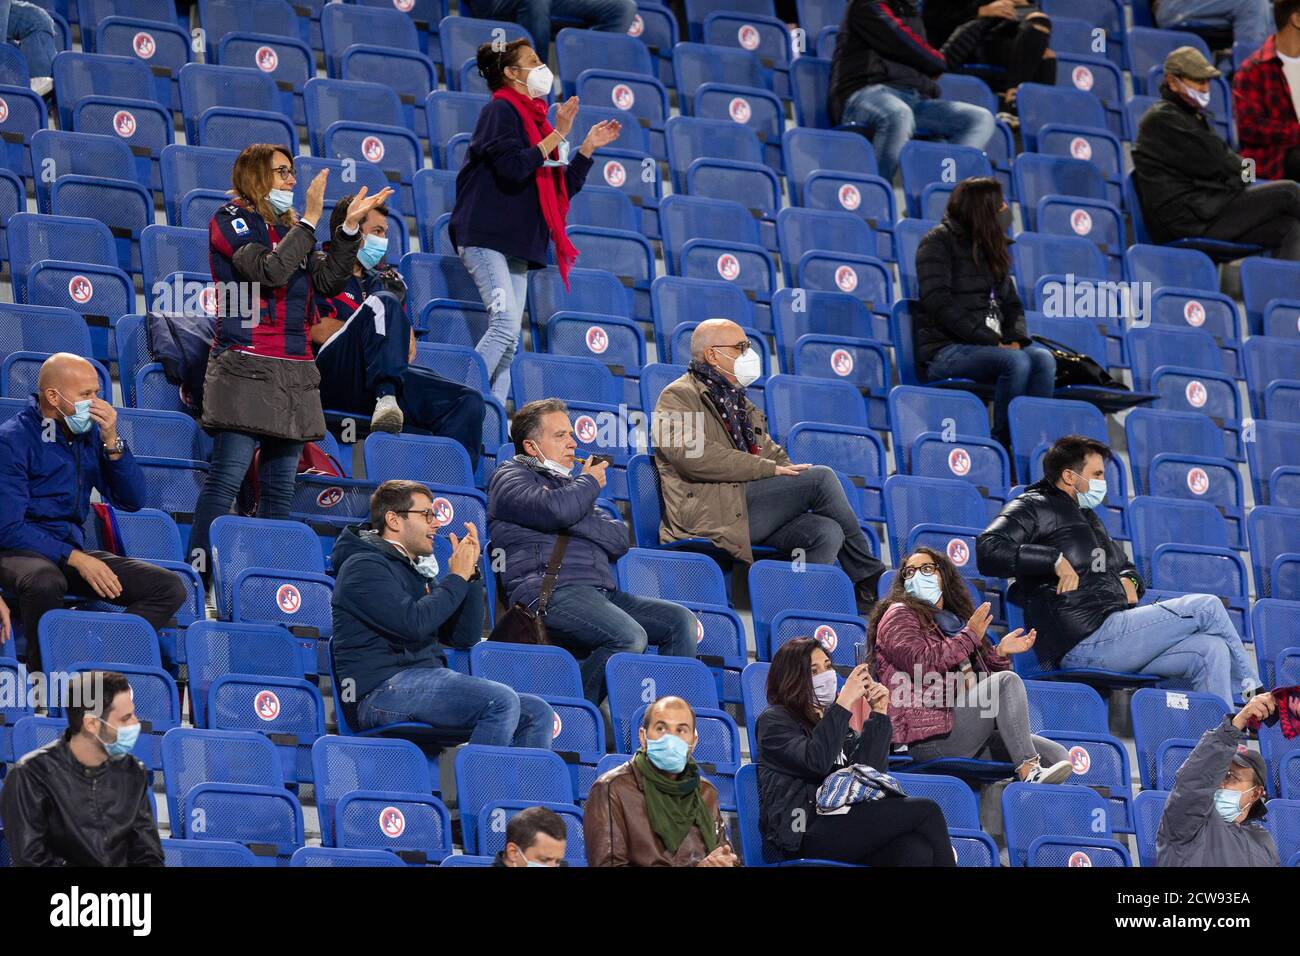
(617, 831)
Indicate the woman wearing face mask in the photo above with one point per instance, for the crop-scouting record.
(971, 323)
(262, 387)
(952, 691)
(802, 738)
(512, 194)
(1214, 815)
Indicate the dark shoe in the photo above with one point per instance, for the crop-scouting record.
(864, 594)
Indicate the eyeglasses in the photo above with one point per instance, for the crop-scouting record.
(284, 172)
(428, 513)
(743, 345)
(907, 572)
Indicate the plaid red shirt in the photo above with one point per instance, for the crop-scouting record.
(1261, 104)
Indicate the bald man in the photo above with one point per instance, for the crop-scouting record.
(724, 478)
(51, 455)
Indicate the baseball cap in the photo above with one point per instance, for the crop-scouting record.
(1190, 62)
(1251, 760)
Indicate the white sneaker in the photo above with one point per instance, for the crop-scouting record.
(42, 85)
(1056, 773)
(387, 416)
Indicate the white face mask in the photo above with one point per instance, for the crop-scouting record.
(556, 468)
(540, 81)
(1202, 99)
(824, 688)
(747, 368)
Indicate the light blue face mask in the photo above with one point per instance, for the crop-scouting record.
(924, 587)
(668, 753)
(126, 738)
(535, 863)
(280, 199)
(79, 422)
(372, 251)
(1228, 803)
(1095, 494)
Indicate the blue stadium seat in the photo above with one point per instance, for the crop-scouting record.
(1152, 432)
(494, 779)
(678, 300)
(145, 127)
(834, 251)
(960, 808)
(1148, 809)
(316, 856)
(204, 87)
(207, 853)
(1161, 716)
(163, 47)
(188, 168)
(1059, 826)
(817, 600)
(460, 38)
(1273, 628)
(810, 80)
(791, 399)
(627, 255)
(923, 164)
(78, 75)
(425, 458)
(1217, 249)
(358, 174)
(1147, 47)
(942, 513)
(828, 169)
(44, 330)
(15, 706)
(752, 848)
(803, 317)
(1272, 367)
(344, 26)
(1184, 367)
(535, 376)
(1165, 266)
(288, 60)
(1035, 256)
(272, 17)
(900, 333)
(756, 109)
(448, 113)
(1274, 458)
(168, 249)
(942, 433)
(616, 342)
(760, 33)
(604, 207)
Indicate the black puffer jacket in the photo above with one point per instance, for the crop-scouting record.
(955, 291)
(793, 761)
(1184, 173)
(1024, 542)
(883, 41)
(59, 812)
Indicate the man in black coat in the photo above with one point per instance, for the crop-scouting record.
(1190, 182)
(1080, 590)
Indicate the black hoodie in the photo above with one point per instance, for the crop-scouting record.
(388, 617)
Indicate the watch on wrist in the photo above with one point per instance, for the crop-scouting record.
(115, 449)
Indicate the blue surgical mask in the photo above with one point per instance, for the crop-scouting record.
(668, 753)
(371, 251)
(535, 863)
(281, 200)
(126, 738)
(1095, 494)
(924, 587)
(79, 422)
(1228, 803)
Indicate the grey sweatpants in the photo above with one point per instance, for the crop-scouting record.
(991, 722)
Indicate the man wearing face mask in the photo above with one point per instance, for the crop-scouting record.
(534, 837)
(1214, 816)
(52, 454)
(393, 614)
(656, 809)
(1080, 590)
(725, 479)
(83, 800)
(1190, 182)
(364, 348)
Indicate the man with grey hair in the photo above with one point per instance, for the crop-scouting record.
(559, 547)
(725, 479)
(51, 455)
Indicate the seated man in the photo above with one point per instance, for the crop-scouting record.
(1214, 816)
(1191, 184)
(31, 29)
(1248, 19)
(364, 349)
(656, 810)
(534, 837)
(1080, 591)
(392, 615)
(533, 501)
(83, 800)
(735, 486)
(51, 455)
(884, 75)
(1266, 99)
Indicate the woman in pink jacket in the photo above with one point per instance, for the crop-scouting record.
(952, 693)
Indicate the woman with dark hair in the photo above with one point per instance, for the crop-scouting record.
(952, 693)
(262, 388)
(1018, 43)
(806, 735)
(971, 323)
(512, 194)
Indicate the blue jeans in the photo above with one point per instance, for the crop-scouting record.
(535, 15)
(1251, 20)
(232, 453)
(1188, 638)
(503, 284)
(1024, 371)
(483, 710)
(895, 115)
(31, 28)
(601, 623)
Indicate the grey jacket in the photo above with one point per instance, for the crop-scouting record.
(1191, 832)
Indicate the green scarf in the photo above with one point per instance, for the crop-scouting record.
(674, 806)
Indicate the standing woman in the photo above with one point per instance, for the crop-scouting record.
(512, 194)
(971, 323)
(262, 386)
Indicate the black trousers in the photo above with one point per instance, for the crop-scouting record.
(1291, 164)
(152, 592)
(1018, 48)
(1267, 214)
(894, 831)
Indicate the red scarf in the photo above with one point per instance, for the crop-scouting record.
(551, 190)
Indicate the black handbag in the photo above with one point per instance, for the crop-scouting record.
(519, 625)
(1075, 368)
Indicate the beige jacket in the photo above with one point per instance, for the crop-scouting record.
(702, 473)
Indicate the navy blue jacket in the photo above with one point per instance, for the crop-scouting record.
(388, 617)
(45, 485)
(528, 506)
(496, 190)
